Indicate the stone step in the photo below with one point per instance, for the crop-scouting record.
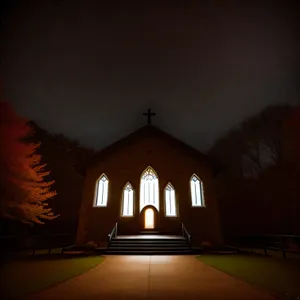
(148, 242)
(147, 252)
(149, 245)
(150, 232)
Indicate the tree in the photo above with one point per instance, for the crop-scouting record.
(67, 160)
(256, 145)
(264, 136)
(24, 191)
(260, 161)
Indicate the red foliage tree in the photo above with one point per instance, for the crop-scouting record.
(23, 188)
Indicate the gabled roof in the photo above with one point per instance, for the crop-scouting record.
(147, 131)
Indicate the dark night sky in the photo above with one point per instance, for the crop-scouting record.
(90, 71)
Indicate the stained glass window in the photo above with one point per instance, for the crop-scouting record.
(101, 191)
(196, 191)
(149, 194)
(127, 200)
(170, 201)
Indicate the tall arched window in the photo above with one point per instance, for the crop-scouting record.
(101, 191)
(170, 201)
(149, 189)
(127, 209)
(196, 191)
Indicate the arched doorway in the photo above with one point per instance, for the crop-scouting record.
(149, 218)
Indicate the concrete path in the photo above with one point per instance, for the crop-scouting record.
(152, 277)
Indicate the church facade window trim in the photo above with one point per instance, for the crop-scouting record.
(196, 189)
(127, 201)
(170, 201)
(101, 192)
(149, 189)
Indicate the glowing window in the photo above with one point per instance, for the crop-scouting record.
(170, 201)
(127, 200)
(101, 191)
(196, 191)
(149, 189)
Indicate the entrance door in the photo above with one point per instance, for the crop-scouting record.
(149, 218)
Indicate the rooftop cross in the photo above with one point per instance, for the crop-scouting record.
(149, 114)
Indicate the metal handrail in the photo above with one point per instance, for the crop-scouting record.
(113, 233)
(266, 242)
(186, 234)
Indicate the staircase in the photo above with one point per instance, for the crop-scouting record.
(145, 244)
(150, 243)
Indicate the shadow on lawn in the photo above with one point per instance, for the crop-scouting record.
(45, 257)
(27, 274)
(280, 276)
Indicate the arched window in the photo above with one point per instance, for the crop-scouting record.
(127, 210)
(196, 191)
(101, 191)
(170, 201)
(149, 189)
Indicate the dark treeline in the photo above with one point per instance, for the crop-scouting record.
(258, 187)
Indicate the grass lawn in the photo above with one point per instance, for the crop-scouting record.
(277, 275)
(21, 277)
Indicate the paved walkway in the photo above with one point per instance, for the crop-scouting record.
(152, 277)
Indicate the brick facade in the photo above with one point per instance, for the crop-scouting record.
(174, 162)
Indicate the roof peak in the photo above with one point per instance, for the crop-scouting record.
(142, 132)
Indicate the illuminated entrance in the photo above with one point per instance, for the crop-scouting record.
(149, 218)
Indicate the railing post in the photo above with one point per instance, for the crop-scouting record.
(113, 233)
(186, 234)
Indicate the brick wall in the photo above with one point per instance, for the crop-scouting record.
(172, 164)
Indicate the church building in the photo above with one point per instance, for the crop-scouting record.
(146, 182)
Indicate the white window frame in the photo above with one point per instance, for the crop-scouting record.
(101, 192)
(196, 188)
(128, 201)
(149, 189)
(170, 201)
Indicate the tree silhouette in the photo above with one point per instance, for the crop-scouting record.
(256, 144)
(260, 171)
(24, 190)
